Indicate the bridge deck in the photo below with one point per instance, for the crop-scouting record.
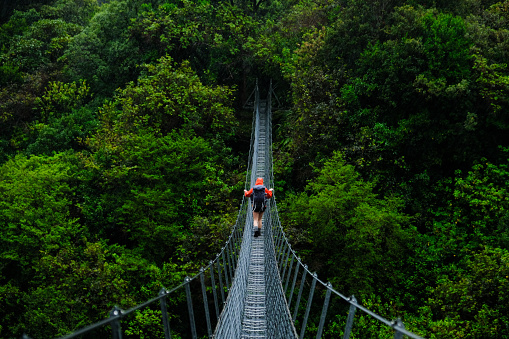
(254, 323)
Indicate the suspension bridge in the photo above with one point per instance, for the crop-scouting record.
(256, 287)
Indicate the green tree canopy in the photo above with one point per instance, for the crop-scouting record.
(357, 237)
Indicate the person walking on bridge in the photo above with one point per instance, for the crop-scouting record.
(259, 195)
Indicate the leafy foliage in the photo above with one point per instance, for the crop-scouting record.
(212, 38)
(118, 133)
(475, 304)
(41, 44)
(351, 228)
(36, 213)
(158, 158)
(102, 53)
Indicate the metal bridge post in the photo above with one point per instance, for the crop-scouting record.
(281, 256)
(324, 311)
(286, 262)
(187, 280)
(231, 257)
(294, 281)
(205, 302)
(276, 239)
(308, 307)
(279, 246)
(164, 312)
(281, 241)
(395, 324)
(232, 253)
(237, 248)
(225, 270)
(214, 292)
(234, 259)
(228, 263)
(221, 288)
(116, 330)
(280, 251)
(289, 274)
(303, 279)
(349, 320)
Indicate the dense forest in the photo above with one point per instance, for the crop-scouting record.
(124, 145)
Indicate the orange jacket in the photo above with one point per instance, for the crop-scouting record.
(259, 181)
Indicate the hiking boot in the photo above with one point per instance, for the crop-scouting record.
(257, 233)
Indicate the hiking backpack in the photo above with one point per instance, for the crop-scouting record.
(259, 198)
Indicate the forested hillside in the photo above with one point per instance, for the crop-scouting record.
(123, 151)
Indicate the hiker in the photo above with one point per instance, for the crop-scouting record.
(259, 195)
